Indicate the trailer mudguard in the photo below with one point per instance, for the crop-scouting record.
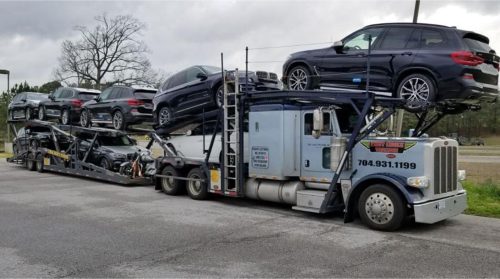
(398, 182)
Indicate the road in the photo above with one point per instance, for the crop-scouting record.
(59, 226)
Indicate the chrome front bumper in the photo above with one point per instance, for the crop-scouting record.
(435, 211)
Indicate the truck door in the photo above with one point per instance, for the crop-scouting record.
(315, 152)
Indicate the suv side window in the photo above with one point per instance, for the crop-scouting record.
(115, 93)
(125, 93)
(105, 94)
(57, 93)
(177, 79)
(359, 40)
(396, 38)
(432, 39)
(191, 73)
(66, 94)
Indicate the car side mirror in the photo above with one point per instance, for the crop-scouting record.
(202, 76)
(134, 141)
(338, 46)
(189, 132)
(23, 100)
(97, 98)
(318, 123)
(52, 97)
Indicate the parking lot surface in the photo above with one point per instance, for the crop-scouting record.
(61, 226)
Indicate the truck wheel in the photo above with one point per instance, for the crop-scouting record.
(30, 161)
(197, 190)
(380, 207)
(39, 162)
(171, 186)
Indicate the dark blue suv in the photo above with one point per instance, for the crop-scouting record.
(423, 63)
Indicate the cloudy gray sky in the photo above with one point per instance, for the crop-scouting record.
(183, 33)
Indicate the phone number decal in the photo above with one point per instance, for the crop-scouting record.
(387, 164)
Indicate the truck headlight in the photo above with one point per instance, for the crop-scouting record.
(418, 181)
(461, 175)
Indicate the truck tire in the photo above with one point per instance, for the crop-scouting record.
(171, 186)
(39, 162)
(197, 190)
(381, 207)
(30, 161)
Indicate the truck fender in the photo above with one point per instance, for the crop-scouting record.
(396, 181)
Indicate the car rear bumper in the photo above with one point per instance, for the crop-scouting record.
(438, 210)
(468, 91)
(135, 117)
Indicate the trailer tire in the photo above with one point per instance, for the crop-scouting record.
(30, 161)
(381, 207)
(171, 186)
(39, 162)
(197, 190)
(104, 163)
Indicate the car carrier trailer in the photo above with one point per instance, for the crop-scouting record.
(62, 153)
(316, 151)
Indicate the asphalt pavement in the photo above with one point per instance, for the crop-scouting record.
(53, 225)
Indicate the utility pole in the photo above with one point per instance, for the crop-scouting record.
(400, 113)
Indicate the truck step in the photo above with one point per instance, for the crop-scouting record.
(310, 200)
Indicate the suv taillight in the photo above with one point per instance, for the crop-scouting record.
(134, 102)
(466, 58)
(496, 65)
(76, 103)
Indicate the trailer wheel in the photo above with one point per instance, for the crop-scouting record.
(39, 162)
(171, 186)
(65, 117)
(30, 161)
(197, 190)
(380, 207)
(27, 114)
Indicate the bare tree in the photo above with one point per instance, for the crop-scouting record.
(111, 52)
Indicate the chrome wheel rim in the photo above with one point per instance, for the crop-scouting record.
(219, 97)
(65, 117)
(168, 183)
(28, 114)
(379, 208)
(164, 116)
(415, 90)
(41, 113)
(195, 186)
(83, 119)
(297, 80)
(117, 120)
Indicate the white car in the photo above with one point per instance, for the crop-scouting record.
(190, 145)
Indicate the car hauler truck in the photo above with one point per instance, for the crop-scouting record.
(315, 150)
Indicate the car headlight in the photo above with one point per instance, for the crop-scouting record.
(117, 156)
(230, 76)
(461, 175)
(418, 181)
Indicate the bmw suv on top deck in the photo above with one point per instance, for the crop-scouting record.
(422, 63)
(65, 104)
(120, 106)
(190, 91)
(25, 105)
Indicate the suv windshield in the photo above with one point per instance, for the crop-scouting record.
(211, 69)
(115, 141)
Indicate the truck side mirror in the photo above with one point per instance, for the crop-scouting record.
(318, 123)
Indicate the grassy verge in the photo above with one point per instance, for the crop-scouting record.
(483, 198)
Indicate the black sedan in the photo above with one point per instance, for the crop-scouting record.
(65, 103)
(423, 63)
(25, 105)
(199, 88)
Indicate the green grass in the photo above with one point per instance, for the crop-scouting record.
(483, 198)
(5, 155)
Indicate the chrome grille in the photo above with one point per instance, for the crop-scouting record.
(273, 76)
(261, 74)
(445, 169)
